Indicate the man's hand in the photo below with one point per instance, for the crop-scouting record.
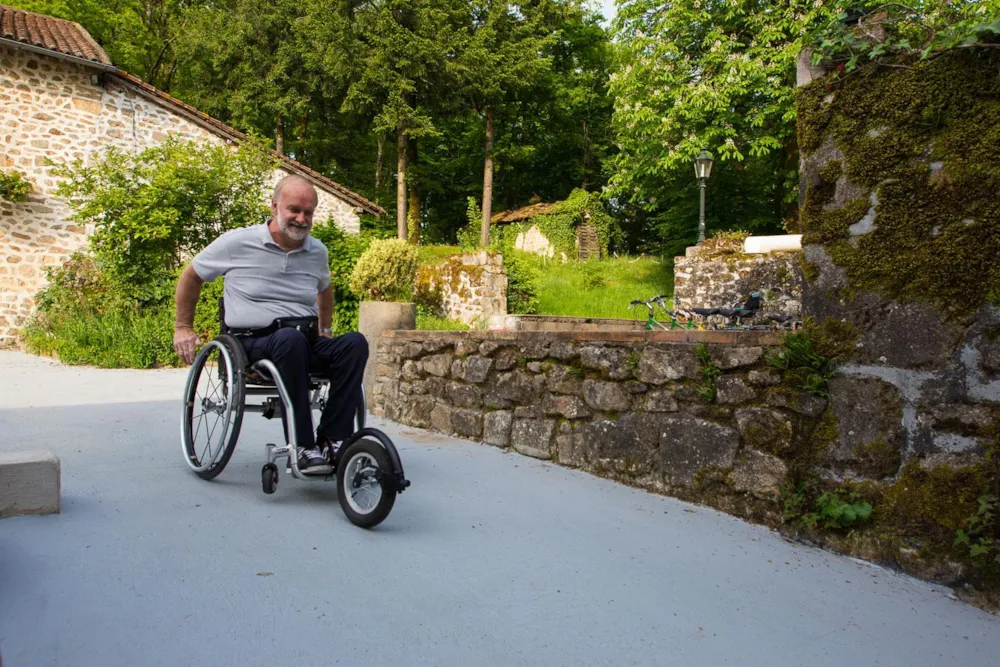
(185, 342)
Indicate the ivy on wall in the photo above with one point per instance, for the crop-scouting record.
(560, 225)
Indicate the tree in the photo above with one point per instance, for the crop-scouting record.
(405, 54)
(710, 74)
(268, 70)
(504, 53)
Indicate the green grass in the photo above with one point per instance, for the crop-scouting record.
(432, 323)
(601, 288)
(111, 340)
(433, 254)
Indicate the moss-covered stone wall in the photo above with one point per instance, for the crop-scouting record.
(901, 243)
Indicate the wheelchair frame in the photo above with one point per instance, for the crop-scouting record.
(242, 380)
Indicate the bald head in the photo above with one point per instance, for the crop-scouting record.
(293, 181)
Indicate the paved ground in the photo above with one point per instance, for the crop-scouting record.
(489, 559)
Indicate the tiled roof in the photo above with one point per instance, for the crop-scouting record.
(65, 37)
(520, 214)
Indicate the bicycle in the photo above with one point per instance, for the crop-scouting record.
(679, 319)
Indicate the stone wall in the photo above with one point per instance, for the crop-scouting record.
(629, 406)
(708, 280)
(51, 109)
(901, 228)
(470, 288)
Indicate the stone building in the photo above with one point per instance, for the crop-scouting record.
(61, 98)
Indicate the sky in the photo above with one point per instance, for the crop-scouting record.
(607, 8)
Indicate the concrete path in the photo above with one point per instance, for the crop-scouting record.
(489, 559)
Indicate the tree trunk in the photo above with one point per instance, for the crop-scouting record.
(279, 136)
(413, 211)
(484, 238)
(401, 183)
(378, 167)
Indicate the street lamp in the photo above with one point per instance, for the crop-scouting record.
(702, 170)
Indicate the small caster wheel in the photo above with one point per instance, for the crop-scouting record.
(269, 477)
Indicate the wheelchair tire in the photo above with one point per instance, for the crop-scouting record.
(364, 488)
(215, 384)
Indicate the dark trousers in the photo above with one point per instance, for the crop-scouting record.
(342, 359)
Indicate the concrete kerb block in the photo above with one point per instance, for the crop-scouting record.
(29, 483)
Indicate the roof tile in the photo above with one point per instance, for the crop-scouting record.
(59, 35)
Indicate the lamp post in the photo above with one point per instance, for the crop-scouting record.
(702, 170)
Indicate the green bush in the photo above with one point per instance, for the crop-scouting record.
(344, 249)
(522, 283)
(385, 271)
(82, 321)
(153, 210)
(13, 186)
(113, 306)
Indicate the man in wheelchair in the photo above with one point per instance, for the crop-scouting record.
(279, 303)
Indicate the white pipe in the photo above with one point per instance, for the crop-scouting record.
(765, 244)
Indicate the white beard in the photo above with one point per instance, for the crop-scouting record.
(294, 233)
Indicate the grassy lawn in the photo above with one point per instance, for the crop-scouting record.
(601, 288)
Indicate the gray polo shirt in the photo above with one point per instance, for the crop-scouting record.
(263, 282)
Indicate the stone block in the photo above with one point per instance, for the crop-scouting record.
(467, 423)
(474, 369)
(531, 437)
(416, 410)
(496, 427)
(688, 445)
(464, 395)
(528, 412)
(611, 361)
(605, 396)
(657, 365)
(626, 445)
(733, 390)
(29, 483)
(796, 401)
(563, 351)
(869, 417)
(570, 449)
(764, 429)
(728, 358)
(519, 387)
(441, 418)
(411, 370)
(437, 364)
(570, 407)
(659, 400)
(561, 380)
(759, 474)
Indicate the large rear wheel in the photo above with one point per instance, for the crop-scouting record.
(213, 406)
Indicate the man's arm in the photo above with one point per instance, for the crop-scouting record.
(324, 304)
(185, 300)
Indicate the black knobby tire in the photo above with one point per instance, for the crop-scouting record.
(365, 512)
(223, 363)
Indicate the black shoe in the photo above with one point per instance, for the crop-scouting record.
(312, 462)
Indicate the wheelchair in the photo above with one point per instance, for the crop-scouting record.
(222, 385)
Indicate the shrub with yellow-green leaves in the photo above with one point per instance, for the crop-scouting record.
(385, 271)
